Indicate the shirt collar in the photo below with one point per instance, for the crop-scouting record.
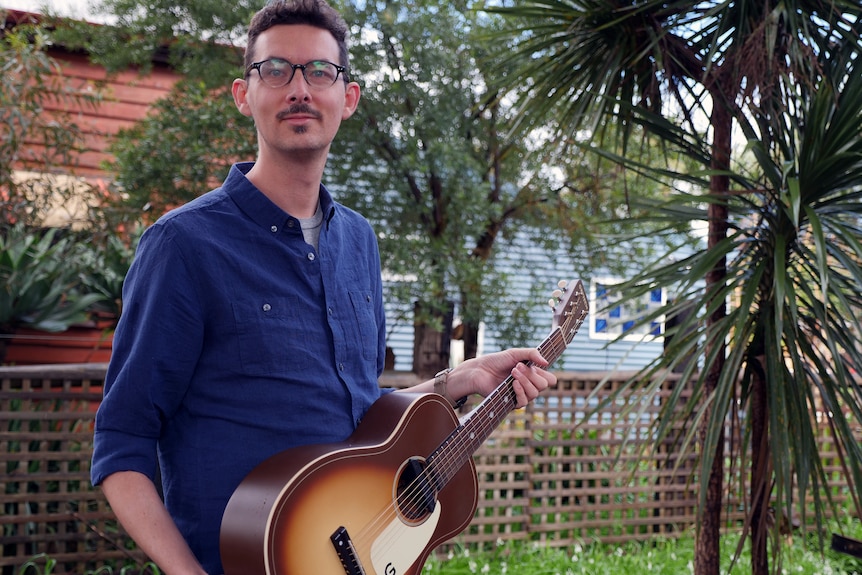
(258, 207)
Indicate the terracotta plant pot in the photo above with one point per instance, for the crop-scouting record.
(79, 344)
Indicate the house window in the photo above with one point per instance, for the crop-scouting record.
(609, 319)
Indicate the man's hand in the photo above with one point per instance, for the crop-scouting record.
(483, 374)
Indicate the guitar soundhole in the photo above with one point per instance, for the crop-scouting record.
(415, 493)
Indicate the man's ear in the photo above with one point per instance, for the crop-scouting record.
(351, 99)
(239, 89)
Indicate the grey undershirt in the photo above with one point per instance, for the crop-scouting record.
(311, 227)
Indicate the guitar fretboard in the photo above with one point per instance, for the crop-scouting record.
(479, 424)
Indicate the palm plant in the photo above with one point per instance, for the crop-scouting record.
(665, 65)
(792, 328)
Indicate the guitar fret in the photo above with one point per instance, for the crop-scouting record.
(479, 424)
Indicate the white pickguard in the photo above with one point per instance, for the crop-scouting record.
(399, 545)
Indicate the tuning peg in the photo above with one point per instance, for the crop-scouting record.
(557, 294)
(552, 303)
(562, 284)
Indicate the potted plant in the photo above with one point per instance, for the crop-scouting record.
(41, 285)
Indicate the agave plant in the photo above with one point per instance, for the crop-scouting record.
(39, 282)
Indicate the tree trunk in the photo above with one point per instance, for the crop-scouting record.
(708, 543)
(430, 344)
(470, 336)
(759, 496)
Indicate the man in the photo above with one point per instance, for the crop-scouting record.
(253, 316)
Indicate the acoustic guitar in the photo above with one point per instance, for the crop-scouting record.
(381, 501)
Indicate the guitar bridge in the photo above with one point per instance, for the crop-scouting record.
(346, 552)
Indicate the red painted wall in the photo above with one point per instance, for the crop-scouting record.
(125, 98)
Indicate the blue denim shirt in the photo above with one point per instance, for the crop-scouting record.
(238, 340)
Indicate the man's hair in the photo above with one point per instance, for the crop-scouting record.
(315, 13)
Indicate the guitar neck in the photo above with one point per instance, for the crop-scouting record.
(477, 426)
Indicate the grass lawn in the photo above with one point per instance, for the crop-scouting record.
(667, 556)
(800, 555)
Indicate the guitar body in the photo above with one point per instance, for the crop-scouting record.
(291, 512)
(380, 502)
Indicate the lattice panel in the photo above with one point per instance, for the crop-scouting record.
(49, 506)
(503, 469)
(545, 474)
(588, 482)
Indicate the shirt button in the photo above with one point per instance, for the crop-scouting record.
(340, 367)
(266, 307)
(329, 310)
(273, 229)
(310, 256)
(290, 223)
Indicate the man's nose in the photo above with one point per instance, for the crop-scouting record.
(297, 88)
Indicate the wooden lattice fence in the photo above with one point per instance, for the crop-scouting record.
(545, 475)
(549, 476)
(46, 439)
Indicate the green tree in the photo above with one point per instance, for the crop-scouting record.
(40, 285)
(36, 136)
(428, 158)
(186, 145)
(686, 72)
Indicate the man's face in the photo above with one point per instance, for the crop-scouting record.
(295, 118)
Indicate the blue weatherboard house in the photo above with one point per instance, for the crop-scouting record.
(532, 274)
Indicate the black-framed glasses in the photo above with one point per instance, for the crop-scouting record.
(278, 72)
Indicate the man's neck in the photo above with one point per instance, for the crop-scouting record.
(292, 185)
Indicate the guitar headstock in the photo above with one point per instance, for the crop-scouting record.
(570, 305)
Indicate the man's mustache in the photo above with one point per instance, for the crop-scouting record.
(304, 109)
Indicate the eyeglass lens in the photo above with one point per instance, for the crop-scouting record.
(276, 72)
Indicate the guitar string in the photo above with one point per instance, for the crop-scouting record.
(492, 411)
(409, 498)
(454, 457)
(449, 470)
(501, 400)
(496, 400)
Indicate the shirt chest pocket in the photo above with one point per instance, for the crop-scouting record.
(273, 339)
(366, 327)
